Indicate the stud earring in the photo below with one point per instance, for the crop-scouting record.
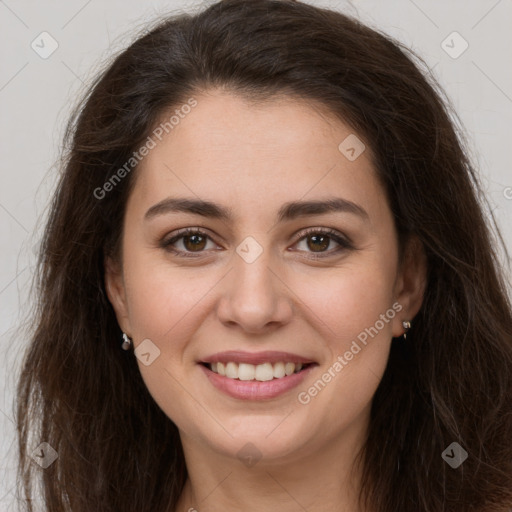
(406, 325)
(127, 342)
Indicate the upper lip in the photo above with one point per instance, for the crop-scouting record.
(255, 358)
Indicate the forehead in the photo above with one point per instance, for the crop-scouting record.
(230, 150)
(282, 127)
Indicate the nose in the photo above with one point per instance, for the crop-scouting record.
(255, 296)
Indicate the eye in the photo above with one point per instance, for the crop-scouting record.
(193, 240)
(317, 240)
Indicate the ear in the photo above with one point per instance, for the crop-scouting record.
(410, 284)
(116, 292)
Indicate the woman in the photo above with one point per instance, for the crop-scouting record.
(267, 206)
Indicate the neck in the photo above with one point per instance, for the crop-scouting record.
(322, 479)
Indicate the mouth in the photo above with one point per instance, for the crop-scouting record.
(256, 382)
(256, 372)
(261, 375)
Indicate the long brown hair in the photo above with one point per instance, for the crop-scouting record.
(450, 382)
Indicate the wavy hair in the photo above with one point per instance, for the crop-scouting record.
(451, 381)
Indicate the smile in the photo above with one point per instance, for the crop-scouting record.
(255, 375)
(250, 372)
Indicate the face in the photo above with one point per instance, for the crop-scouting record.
(267, 267)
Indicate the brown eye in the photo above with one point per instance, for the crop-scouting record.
(318, 242)
(195, 242)
(188, 243)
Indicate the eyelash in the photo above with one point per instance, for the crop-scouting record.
(344, 242)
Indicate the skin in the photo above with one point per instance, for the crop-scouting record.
(253, 159)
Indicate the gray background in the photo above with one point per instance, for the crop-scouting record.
(36, 96)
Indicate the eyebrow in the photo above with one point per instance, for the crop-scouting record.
(289, 211)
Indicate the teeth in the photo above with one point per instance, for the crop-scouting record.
(279, 371)
(260, 372)
(232, 371)
(264, 372)
(246, 371)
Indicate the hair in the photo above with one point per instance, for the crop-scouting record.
(451, 381)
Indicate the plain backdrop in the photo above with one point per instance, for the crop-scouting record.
(37, 95)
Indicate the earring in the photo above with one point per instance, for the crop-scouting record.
(127, 342)
(406, 325)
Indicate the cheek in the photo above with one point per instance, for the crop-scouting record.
(353, 313)
(160, 294)
(344, 301)
(167, 305)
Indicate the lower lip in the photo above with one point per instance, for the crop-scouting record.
(255, 390)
